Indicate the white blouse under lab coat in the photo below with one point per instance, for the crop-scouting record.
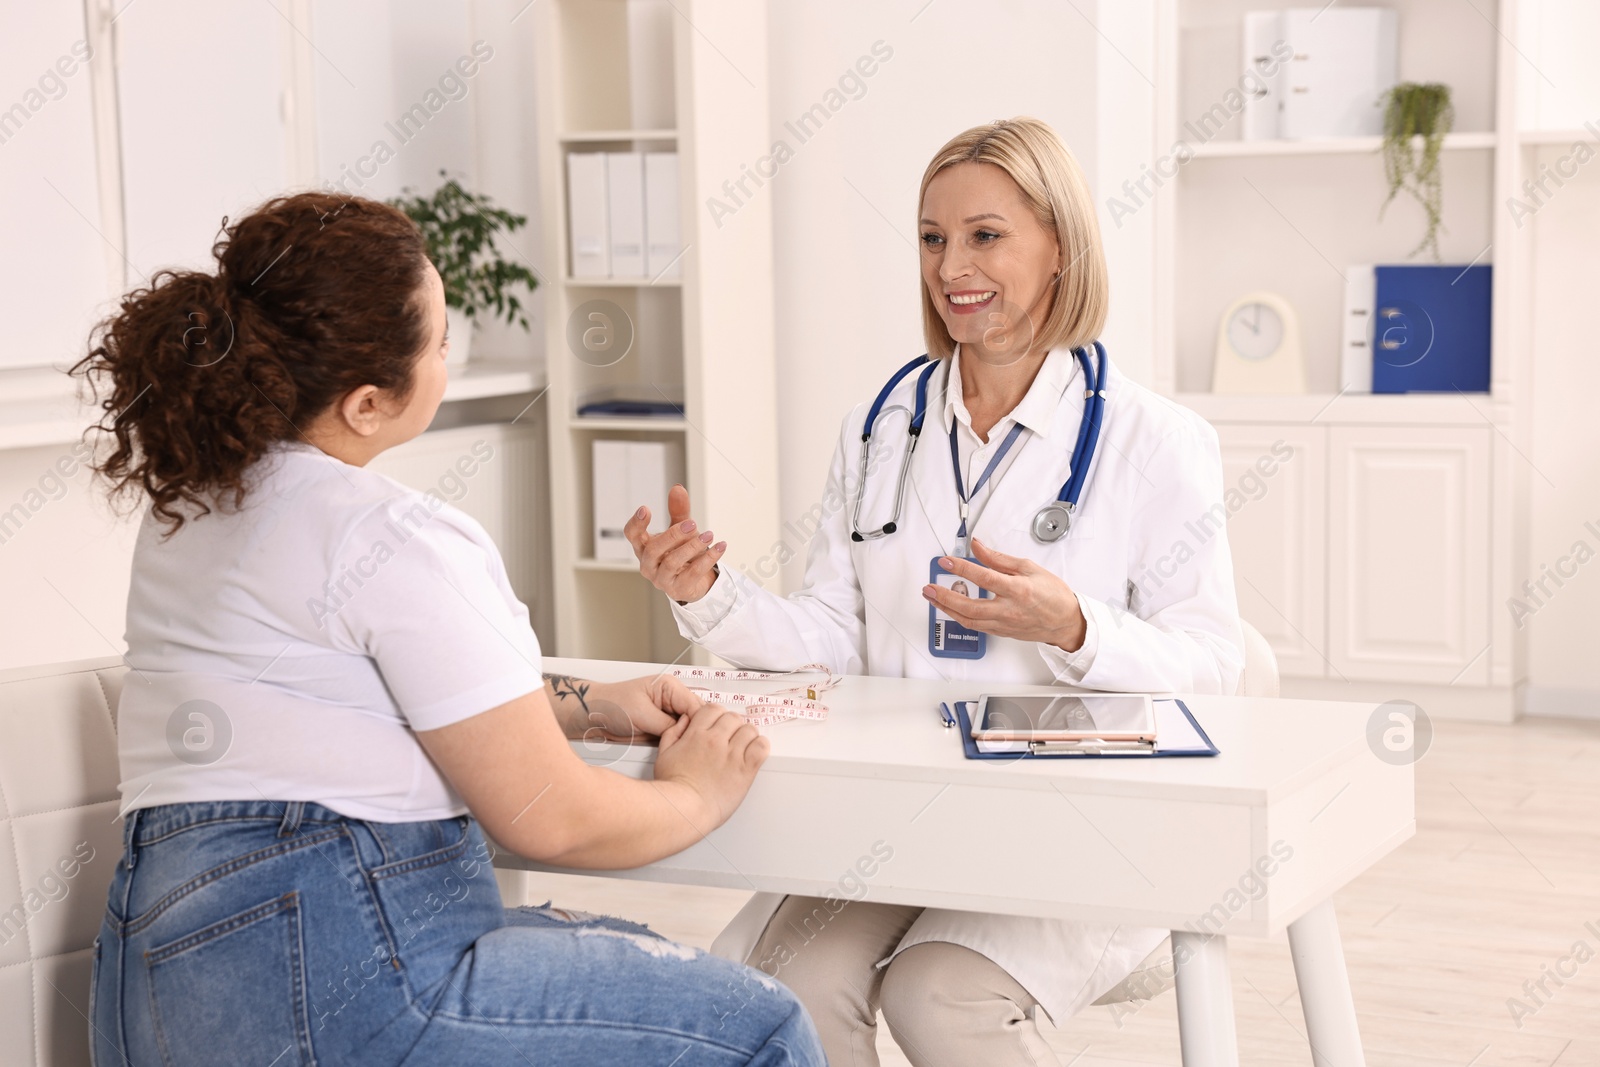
(1146, 553)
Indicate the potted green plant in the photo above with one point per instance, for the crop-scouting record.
(1416, 118)
(459, 228)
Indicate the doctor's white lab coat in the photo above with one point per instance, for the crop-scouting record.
(1146, 553)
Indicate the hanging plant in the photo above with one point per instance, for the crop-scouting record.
(1413, 111)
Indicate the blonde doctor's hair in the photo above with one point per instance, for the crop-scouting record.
(1055, 189)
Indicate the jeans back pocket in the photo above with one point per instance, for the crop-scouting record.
(233, 991)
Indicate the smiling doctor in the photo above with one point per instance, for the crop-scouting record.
(1072, 501)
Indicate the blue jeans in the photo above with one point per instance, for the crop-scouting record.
(272, 933)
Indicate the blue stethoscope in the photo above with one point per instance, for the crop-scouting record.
(1052, 520)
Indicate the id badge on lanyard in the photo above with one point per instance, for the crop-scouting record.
(947, 638)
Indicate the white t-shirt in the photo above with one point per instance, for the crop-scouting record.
(288, 650)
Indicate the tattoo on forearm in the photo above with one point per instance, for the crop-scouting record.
(564, 685)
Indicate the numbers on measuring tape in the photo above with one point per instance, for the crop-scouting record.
(762, 709)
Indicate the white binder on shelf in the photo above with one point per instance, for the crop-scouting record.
(625, 210)
(627, 474)
(662, 243)
(1345, 59)
(1355, 352)
(1263, 102)
(586, 215)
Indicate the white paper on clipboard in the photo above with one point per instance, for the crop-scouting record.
(1175, 731)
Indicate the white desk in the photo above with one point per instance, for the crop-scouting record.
(1171, 842)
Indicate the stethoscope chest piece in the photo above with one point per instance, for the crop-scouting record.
(1051, 522)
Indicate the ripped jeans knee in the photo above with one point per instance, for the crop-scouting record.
(547, 914)
(588, 924)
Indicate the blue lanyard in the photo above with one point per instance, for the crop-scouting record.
(955, 462)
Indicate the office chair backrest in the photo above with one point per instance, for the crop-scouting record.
(1260, 678)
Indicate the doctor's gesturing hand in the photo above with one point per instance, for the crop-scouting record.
(1026, 602)
(680, 561)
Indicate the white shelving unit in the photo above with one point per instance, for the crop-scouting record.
(609, 79)
(1376, 560)
(601, 136)
(597, 422)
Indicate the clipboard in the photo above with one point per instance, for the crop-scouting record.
(1172, 716)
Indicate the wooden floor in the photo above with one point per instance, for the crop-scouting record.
(1494, 891)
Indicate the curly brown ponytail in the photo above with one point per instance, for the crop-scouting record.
(314, 295)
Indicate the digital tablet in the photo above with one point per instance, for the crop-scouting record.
(1106, 716)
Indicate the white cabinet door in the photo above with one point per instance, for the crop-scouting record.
(1408, 547)
(201, 111)
(54, 276)
(1276, 494)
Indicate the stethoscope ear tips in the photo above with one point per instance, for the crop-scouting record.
(857, 538)
(889, 527)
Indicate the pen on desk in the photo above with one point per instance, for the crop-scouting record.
(948, 719)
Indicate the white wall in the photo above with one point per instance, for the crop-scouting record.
(377, 60)
(1562, 670)
(844, 210)
(1559, 89)
(63, 571)
(506, 159)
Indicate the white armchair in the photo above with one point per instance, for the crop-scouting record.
(60, 838)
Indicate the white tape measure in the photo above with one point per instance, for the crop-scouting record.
(761, 709)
